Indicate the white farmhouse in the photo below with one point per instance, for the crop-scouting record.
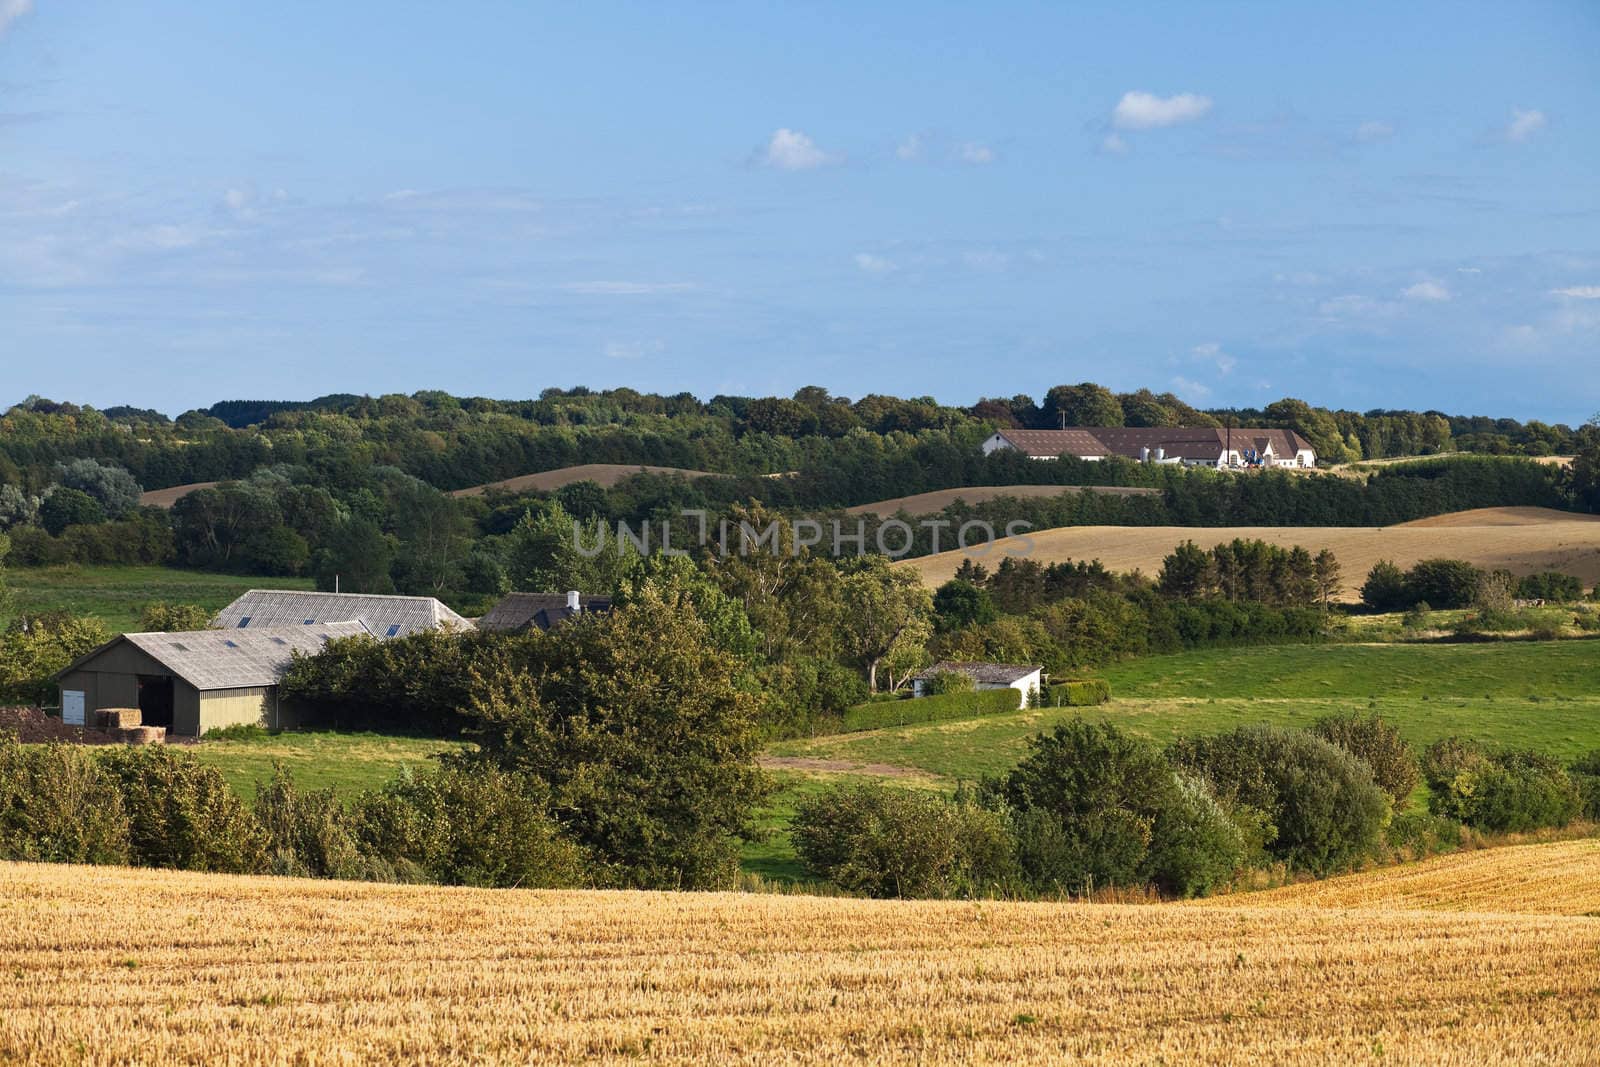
(1194, 446)
(1024, 678)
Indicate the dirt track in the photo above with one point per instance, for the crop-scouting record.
(1521, 540)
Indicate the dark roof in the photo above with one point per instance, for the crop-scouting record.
(987, 673)
(383, 616)
(1178, 442)
(520, 611)
(228, 659)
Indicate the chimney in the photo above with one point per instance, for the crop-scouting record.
(1144, 454)
(1161, 454)
(573, 601)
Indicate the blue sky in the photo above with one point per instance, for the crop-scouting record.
(1365, 205)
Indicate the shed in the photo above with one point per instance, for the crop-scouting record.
(524, 611)
(383, 616)
(1025, 678)
(192, 681)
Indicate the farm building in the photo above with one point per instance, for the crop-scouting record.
(1196, 446)
(381, 616)
(193, 681)
(540, 611)
(1026, 679)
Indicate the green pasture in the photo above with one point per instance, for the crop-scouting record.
(117, 594)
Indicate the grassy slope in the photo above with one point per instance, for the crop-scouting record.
(348, 762)
(1540, 695)
(118, 594)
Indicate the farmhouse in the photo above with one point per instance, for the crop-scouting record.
(193, 681)
(1024, 678)
(540, 611)
(1195, 446)
(380, 616)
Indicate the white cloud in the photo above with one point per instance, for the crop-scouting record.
(973, 152)
(11, 11)
(633, 349)
(1428, 291)
(1190, 390)
(1373, 132)
(1114, 145)
(910, 148)
(1212, 352)
(626, 288)
(875, 264)
(1145, 111)
(1524, 124)
(1469, 270)
(1579, 292)
(792, 150)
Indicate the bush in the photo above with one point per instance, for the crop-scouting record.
(1385, 588)
(1325, 811)
(1585, 772)
(1078, 694)
(63, 507)
(1444, 583)
(1392, 762)
(946, 683)
(470, 825)
(182, 814)
(875, 715)
(1504, 790)
(57, 805)
(309, 835)
(159, 616)
(884, 842)
(1093, 806)
(1550, 585)
(1415, 834)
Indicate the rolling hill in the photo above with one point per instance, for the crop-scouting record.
(939, 499)
(1521, 540)
(606, 474)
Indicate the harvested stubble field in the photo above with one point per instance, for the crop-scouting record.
(1521, 540)
(936, 501)
(114, 965)
(606, 474)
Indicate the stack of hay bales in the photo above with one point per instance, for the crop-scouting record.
(126, 725)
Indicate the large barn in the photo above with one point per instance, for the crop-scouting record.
(1195, 446)
(383, 616)
(196, 680)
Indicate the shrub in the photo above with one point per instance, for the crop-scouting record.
(1444, 583)
(1385, 588)
(1371, 739)
(875, 715)
(309, 835)
(1504, 790)
(1550, 585)
(1093, 806)
(1325, 810)
(1078, 694)
(64, 506)
(1585, 772)
(470, 824)
(57, 805)
(159, 616)
(182, 814)
(1418, 616)
(1414, 834)
(885, 842)
(945, 683)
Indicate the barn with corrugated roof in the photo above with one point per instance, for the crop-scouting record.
(383, 616)
(194, 681)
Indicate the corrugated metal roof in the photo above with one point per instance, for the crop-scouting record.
(1053, 443)
(233, 659)
(988, 673)
(1181, 442)
(383, 616)
(519, 611)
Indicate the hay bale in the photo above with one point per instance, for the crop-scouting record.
(143, 735)
(118, 718)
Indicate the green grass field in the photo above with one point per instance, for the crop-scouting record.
(1543, 695)
(350, 762)
(118, 594)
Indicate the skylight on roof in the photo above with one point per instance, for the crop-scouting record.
(310, 622)
(231, 644)
(245, 621)
(394, 629)
(279, 641)
(180, 646)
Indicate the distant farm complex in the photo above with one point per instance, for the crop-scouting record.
(1195, 446)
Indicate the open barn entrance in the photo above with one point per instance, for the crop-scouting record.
(155, 700)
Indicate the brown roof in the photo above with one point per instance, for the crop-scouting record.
(1054, 443)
